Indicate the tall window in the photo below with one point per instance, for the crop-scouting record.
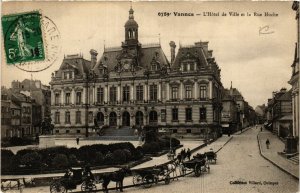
(113, 94)
(203, 92)
(174, 92)
(126, 93)
(91, 95)
(202, 114)
(57, 117)
(57, 97)
(91, 117)
(67, 117)
(68, 96)
(153, 92)
(188, 92)
(163, 115)
(175, 114)
(78, 117)
(185, 67)
(192, 66)
(139, 93)
(188, 114)
(100, 95)
(78, 98)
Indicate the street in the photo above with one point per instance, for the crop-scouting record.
(239, 168)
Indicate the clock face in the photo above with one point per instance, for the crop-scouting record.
(126, 64)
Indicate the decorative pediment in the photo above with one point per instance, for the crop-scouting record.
(68, 66)
(174, 83)
(56, 91)
(67, 89)
(188, 56)
(203, 82)
(188, 82)
(78, 89)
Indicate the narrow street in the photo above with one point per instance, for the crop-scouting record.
(238, 162)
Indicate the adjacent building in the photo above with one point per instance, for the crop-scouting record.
(280, 112)
(135, 85)
(230, 113)
(294, 81)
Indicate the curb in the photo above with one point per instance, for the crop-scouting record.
(246, 129)
(281, 168)
(224, 144)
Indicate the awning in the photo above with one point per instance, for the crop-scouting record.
(225, 125)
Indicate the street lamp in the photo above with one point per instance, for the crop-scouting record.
(89, 77)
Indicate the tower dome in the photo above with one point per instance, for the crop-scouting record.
(131, 22)
(131, 30)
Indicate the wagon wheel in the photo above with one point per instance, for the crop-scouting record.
(167, 179)
(57, 187)
(148, 180)
(88, 186)
(197, 170)
(137, 179)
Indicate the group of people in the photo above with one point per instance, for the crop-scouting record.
(183, 154)
(87, 174)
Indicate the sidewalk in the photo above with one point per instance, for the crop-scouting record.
(271, 154)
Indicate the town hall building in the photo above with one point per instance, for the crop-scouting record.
(135, 85)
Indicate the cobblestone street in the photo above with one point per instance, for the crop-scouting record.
(238, 162)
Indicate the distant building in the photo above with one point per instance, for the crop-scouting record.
(36, 90)
(230, 113)
(135, 85)
(260, 111)
(5, 116)
(280, 112)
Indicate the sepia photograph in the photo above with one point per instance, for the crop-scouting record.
(150, 96)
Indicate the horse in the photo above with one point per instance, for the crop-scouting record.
(117, 176)
(172, 168)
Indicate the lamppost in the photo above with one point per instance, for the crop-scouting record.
(89, 77)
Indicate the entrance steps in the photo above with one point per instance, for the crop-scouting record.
(295, 159)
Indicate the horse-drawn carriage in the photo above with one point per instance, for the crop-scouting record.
(66, 183)
(197, 165)
(211, 156)
(147, 177)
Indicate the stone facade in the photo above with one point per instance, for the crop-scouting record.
(135, 85)
(294, 81)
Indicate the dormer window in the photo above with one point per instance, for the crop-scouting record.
(188, 66)
(154, 67)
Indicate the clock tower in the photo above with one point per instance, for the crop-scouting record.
(131, 32)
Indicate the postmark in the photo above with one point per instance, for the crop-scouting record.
(31, 41)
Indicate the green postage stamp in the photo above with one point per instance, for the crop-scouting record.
(23, 37)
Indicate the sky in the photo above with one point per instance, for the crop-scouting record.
(255, 60)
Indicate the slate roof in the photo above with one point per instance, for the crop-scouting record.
(286, 96)
(195, 51)
(146, 54)
(77, 62)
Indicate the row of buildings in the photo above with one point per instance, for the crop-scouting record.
(24, 107)
(282, 112)
(135, 85)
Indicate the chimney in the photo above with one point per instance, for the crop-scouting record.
(173, 46)
(94, 54)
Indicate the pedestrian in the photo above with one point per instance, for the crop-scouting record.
(267, 143)
(261, 128)
(188, 153)
(77, 140)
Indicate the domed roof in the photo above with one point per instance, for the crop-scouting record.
(131, 23)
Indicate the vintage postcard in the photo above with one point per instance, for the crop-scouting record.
(158, 96)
